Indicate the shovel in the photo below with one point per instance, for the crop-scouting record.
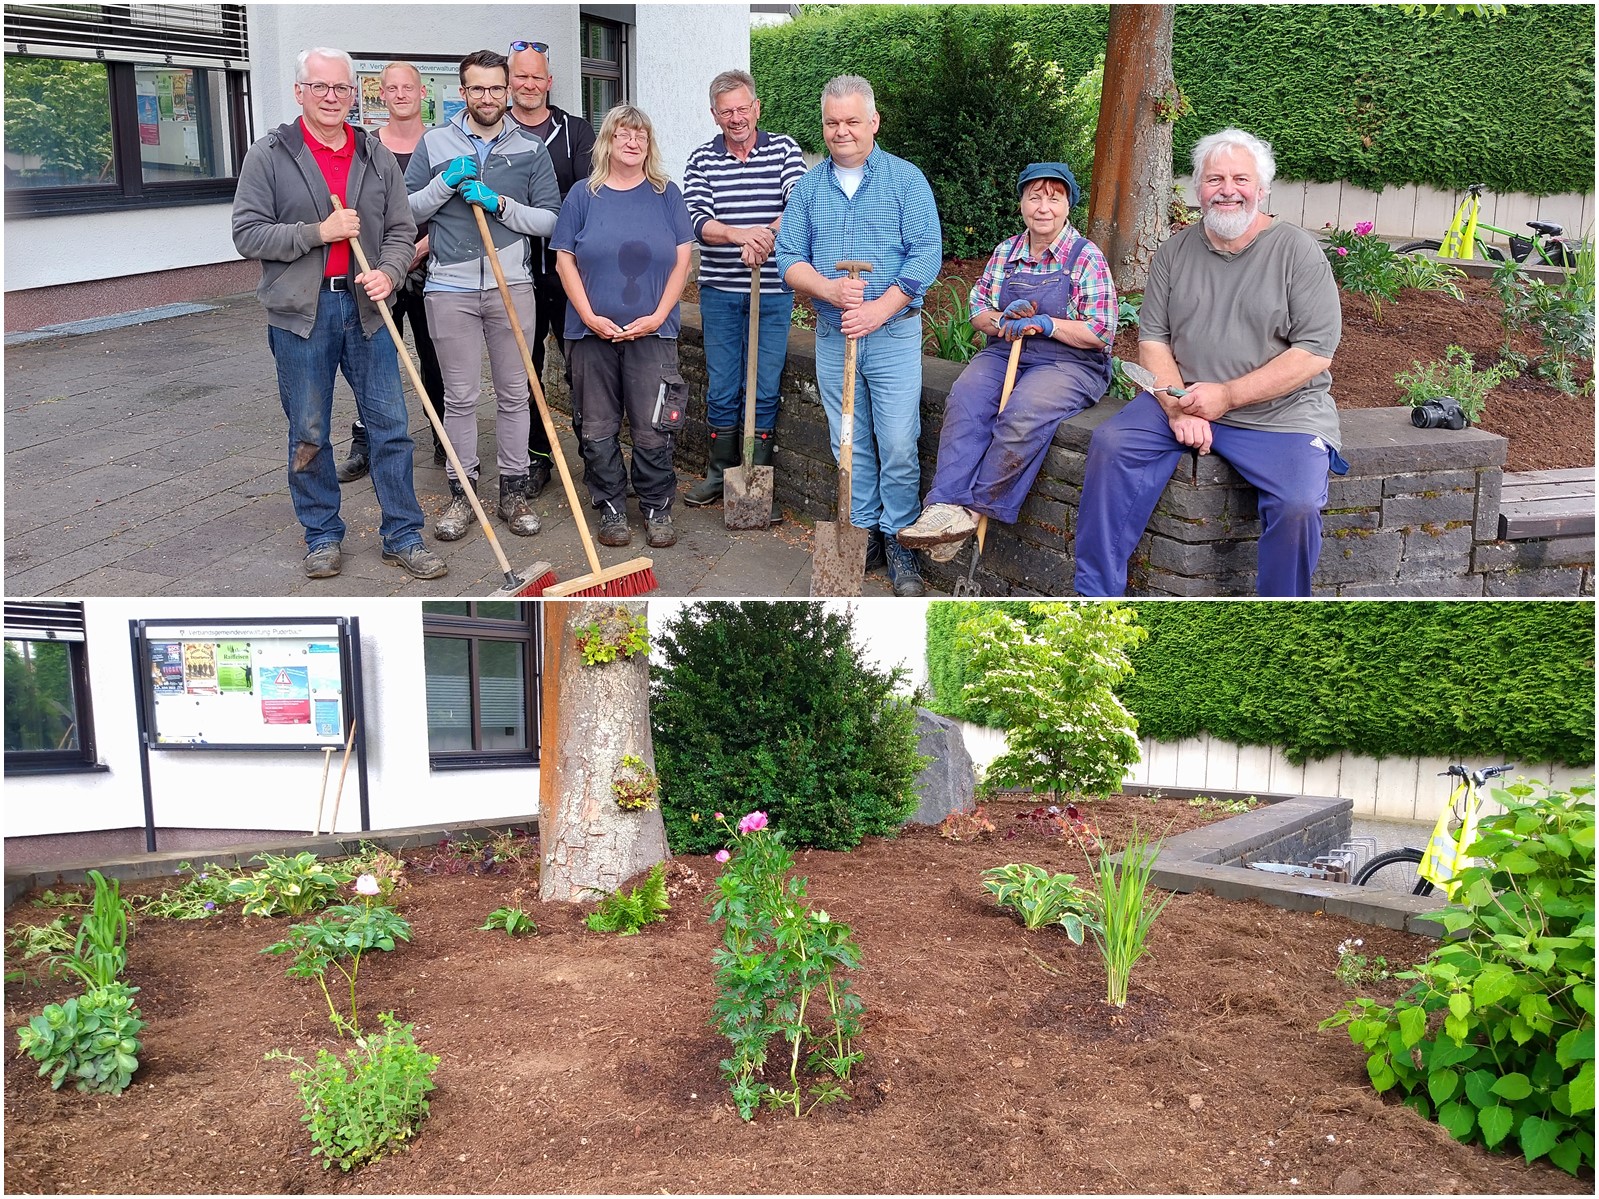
(968, 586)
(840, 559)
(747, 489)
(1143, 378)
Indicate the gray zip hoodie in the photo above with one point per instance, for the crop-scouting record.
(283, 198)
(518, 168)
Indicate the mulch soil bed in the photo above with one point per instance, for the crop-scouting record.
(583, 1062)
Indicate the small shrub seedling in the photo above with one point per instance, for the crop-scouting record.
(965, 826)
(1453, 376)
(1040, 899)
(513, 920)
(1355, 969)
(362, 1107)
(92, 1039)
(626, 913)
(294, 885)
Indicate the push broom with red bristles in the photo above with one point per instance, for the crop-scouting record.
(515, 585)
(634, 577)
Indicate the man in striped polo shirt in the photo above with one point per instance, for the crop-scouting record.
(736, 185)
(863, 203)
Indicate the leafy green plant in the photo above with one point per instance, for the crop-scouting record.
(513, 920)
(92, 1039)
(1052, 687)
(1494, 1038)
(1453, 376)
(1420, 273)
(965, 826)
(100, 950)
(346, 931)
(1232, 807)
(373, 1101)
(626, 913)
(1563, 316)
(1128, 309)
(372, 859)
(949, 333)
(1041, 899)
(1355, 969)
(294, 885)
(51, 941)
(205, 893)
(1127, 910)
(60, 899)
(1363, 263)
(635, 785)
(619, 634)
(779, 963)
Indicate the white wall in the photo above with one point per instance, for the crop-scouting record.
(206, 789)
(45, 251)
(680, 49)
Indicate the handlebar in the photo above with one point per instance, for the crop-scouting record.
(1477, 776)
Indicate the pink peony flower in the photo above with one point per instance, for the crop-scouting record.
(753, 822)
(1364, 228)
(719, 816)
(1343, 251)
(368, 885)
(722, 855)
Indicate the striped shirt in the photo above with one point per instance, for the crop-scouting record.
(1093, 299)
(891, 222)
(718, 187)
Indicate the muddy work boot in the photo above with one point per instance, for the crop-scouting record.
(514, 508)
(538, 475)
(613, 528)
(724, 452)
(358, 463)
(417, 561)
(904, 570)
(458, 516)
(658, 524)
(324, 562)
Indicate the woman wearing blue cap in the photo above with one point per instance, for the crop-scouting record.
(1052, 286)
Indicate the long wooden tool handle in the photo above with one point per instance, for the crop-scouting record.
(1004, 398)
(338, 794)
(752, 371)
(433, 418)
(322, 796)
(846, 429)
(537, 389)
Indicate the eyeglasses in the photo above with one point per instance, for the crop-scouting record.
(735, 114)
(342, 90)
(536, 47)
(633, 135)
(477, 92)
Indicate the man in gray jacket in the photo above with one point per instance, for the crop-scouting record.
(322, 316)
(482, 160)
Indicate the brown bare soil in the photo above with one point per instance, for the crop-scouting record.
(583, 1062)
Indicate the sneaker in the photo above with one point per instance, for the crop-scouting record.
(514, 509)
(658, 523)
(354, 467)
(538, 477)
(946, 552)
(418, 561)
(939, 523)
(904, 571)
(614, 530)
(324, 562)
(457, 518)
(874, 551)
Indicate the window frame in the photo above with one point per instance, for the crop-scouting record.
(602, 68)
(83, 759)
(472, 629)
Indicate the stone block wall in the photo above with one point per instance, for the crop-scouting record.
(1417, 514)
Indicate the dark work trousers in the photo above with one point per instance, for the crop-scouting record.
(549, 312)
(611, 380)
(408, 304)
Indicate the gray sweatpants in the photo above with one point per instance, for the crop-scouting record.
(461, 322)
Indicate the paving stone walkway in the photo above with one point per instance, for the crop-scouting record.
(150, 459)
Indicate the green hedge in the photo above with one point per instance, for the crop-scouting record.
(1360, 92)
(1379, 678)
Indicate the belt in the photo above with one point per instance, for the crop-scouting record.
(336, 283)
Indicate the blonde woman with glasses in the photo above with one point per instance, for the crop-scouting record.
(622, 252)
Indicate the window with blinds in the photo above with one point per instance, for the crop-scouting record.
(48, 719)
(482, 665)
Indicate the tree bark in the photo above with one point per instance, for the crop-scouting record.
(599, 715)
(1129, 210)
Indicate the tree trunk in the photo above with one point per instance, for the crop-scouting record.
(593, 717)
(1129, 210)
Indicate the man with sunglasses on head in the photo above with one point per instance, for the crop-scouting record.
(322, 316)
(480, 159)
(570, 142)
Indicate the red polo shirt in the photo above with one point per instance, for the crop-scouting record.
(335, 166)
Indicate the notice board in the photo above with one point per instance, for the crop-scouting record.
(251, 683)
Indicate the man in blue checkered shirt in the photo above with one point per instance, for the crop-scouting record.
(862, 203)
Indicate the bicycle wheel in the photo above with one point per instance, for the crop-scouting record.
(1433, 245)
(1394, 870)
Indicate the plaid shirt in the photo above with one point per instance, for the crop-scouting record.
(1093, 291)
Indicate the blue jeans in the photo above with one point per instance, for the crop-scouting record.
(306, 369)
(888, 418)
(1131, 459)
(726, 319)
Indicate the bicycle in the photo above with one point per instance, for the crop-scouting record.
(1409, 869)
(1461, 240)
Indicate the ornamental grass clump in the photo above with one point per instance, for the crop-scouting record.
(781, 970)
(1494, 1038)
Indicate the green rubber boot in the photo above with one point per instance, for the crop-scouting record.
(724, 453)
(765, 450)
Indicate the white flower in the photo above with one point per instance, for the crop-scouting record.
(367, 884)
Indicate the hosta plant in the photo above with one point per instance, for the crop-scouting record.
(1494, 1038)
(92, 1039)
(370, 1103)
(625, 912)
(294, 885)
(1041, 899)
(514, 921)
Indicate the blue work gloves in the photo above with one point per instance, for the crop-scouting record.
(480, 194)
(1022, 326)
(1019, 308)
(458, 170)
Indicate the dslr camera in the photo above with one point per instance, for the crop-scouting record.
(1441, 413)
